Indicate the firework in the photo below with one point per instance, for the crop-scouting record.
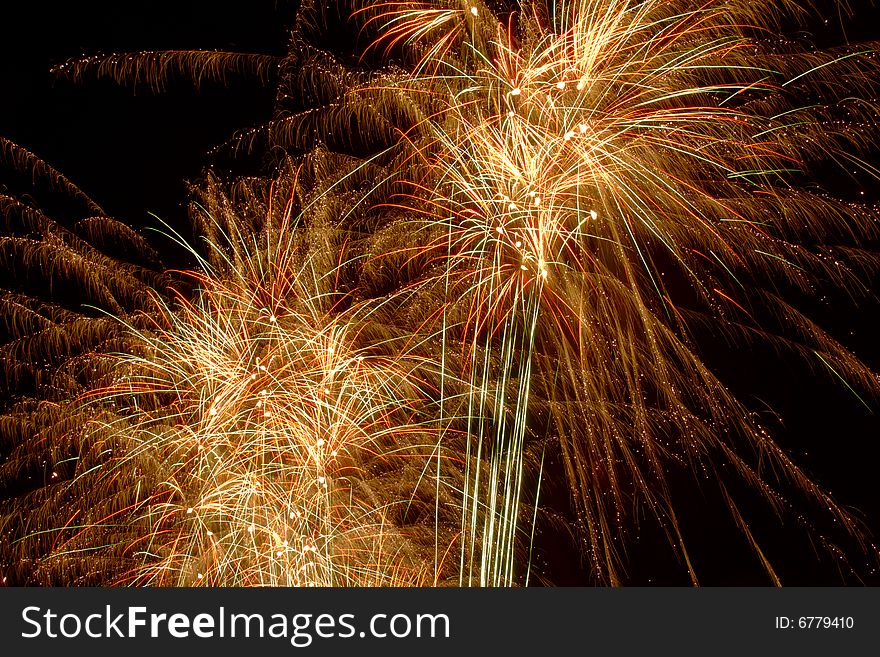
(496, 248)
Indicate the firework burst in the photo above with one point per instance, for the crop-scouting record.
(538, 209)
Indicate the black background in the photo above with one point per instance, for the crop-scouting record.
(133, 152)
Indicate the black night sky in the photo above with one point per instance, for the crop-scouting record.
(132, 152)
